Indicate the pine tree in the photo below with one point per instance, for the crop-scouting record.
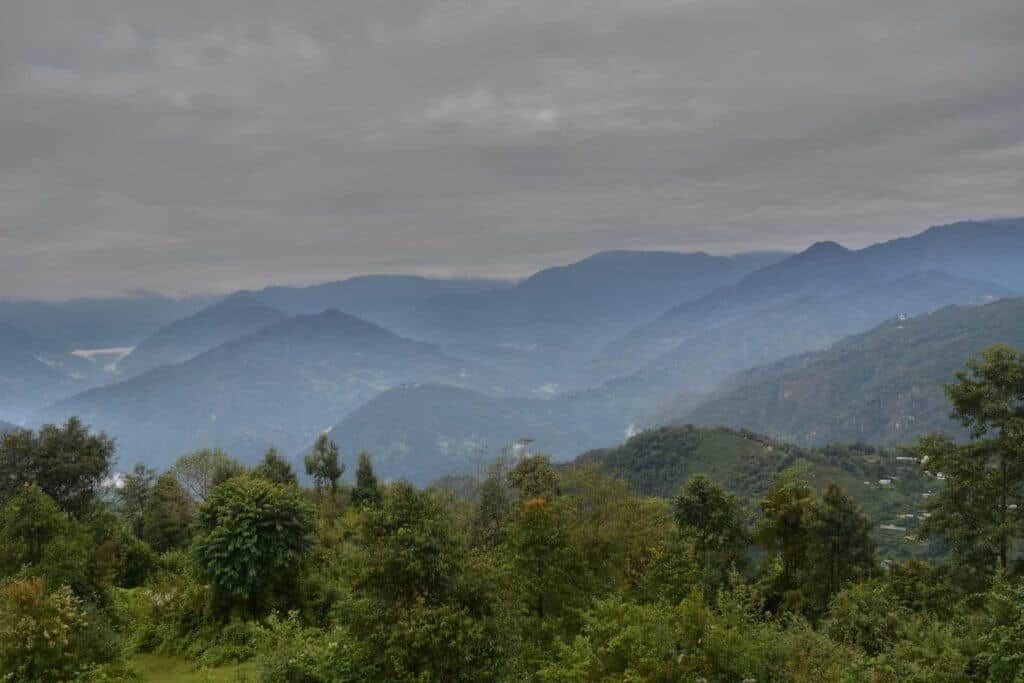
(367, 490)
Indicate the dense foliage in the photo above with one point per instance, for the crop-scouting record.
(760, 565)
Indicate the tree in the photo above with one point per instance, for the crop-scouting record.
(489, 527)
(410, 550)
(29, 522)
(367, 490)
(546, 560)
(67, 463)
(134, 494)
(712, 517)
(322, 464)
(842, 551)
(168, 513)
(976, 511)
(276, 469)
(200, 471)
(787, 510)
(534, 477)
(418, 610)
(39, 538)
(251, 535)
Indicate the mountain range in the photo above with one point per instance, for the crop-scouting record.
(426, 373)
(34, 371)
(883, 386)
(276, 386)
(986, 253)
(99, 323)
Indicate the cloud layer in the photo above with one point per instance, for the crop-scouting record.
(209, 145)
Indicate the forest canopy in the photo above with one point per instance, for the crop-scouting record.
(686, 554)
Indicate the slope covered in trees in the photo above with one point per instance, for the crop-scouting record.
(544, 574)
(883, 386)
(416, 432)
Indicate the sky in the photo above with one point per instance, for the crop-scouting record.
(211, 145)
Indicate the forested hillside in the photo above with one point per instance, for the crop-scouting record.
(684, 554)
(657, 462)
(881, 387)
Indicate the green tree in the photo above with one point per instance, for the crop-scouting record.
(276, 469)
(167, 515)
(367, 490)
(410, 550)
(251, 535)
(842, 551)
(37, 538)
(67, 463)
(547, 562)
(535, 477)
(200, 471)
(787, 514)
(976, 511)
(490, 521)
(712, 517)
(29, 522)
(323, 466)
(134, 494)
(1001, 631)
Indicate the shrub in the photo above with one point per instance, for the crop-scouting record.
(293, 653)
(48, 636)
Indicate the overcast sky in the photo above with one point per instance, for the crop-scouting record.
(205, 145)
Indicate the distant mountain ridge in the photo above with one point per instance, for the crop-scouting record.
(988, 252)
(366, 296)
(577, 305)
(418, 432)
(35, 371)
(883, 386)
(275, 386)
(98, 323)
(810, 323)
(426, 370)
(229, 319)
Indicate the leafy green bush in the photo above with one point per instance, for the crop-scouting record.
(48, 635)
(293, 653)
(866, 616)
(217, 645)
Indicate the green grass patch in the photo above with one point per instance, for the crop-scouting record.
(163, 669)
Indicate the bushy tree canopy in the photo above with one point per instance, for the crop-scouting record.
(251, 535)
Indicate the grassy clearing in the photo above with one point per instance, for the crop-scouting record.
(161, 669)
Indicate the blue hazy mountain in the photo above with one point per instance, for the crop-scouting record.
(990, 252)
(883, 386)
(808, 323)
(183, 339)
(98, 323)
(422, 432)
(371, 297)
(276, 386)
(579, 305)
(34, 372)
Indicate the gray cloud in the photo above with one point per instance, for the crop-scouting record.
(201, 145)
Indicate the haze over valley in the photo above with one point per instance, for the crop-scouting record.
(435, 376)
